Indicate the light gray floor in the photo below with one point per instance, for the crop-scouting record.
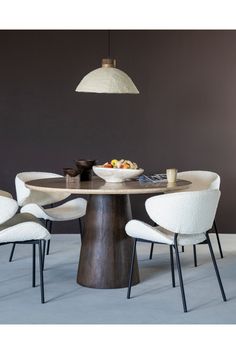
(154, 301)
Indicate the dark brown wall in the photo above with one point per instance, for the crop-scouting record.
(185, 115)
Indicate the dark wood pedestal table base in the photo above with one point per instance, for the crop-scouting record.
(106, 250)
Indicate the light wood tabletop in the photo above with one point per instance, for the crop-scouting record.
(98, 186)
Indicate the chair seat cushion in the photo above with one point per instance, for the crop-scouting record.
(22, 227)
(141, 230)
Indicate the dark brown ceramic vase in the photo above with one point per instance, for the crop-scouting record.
(85, 168)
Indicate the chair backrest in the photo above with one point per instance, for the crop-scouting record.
(8, 208)
(184, 212)
(5, 194)
(201, 179)
(25, 195)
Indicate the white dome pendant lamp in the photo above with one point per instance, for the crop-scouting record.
(107, 79)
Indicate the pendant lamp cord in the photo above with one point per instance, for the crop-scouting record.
(109, 43)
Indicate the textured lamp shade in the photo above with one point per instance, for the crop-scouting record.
(107, 79)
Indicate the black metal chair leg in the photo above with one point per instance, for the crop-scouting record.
(50, 230)
(44, 253)
(48, 247)
(180, 273)
(41, 270)
(195, 255)
(50, 226)
(33, 264)
(151, 250)
(182, 248)
(131, 269)
(81, 229)
(12, 252)
(152, 244)
(218, 240)
(216, 267)
(172, 266)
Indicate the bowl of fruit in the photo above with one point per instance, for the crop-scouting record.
(118, 170)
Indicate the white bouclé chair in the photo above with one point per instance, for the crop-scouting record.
(23, 229)
(33, 202)
(201, 180)
(184, 219)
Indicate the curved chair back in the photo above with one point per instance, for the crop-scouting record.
(184, 212)
(201, 179)
(5, 194)
(8, 208)
(25, 195)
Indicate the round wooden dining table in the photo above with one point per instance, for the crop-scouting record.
(105, 253)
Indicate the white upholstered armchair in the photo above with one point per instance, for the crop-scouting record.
(201, 180)
(184, 219)
(22, 229)
(34, 202)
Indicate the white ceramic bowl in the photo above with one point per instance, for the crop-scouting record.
(116, 175)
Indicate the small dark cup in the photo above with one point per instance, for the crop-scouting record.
(85, 167)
